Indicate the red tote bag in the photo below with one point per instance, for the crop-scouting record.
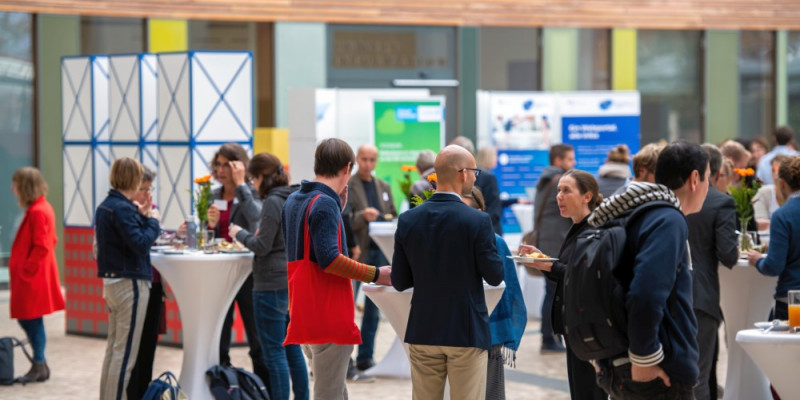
(321, 307)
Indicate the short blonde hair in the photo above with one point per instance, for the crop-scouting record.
(126, 174)
(486, 157)
(646, 158)
(735, 151)
(30, 185)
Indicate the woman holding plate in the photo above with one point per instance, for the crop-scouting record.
(577, 196)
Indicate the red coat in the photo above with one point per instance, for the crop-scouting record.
(32, 268)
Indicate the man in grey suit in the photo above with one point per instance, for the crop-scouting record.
(370, 200)
(712, 241)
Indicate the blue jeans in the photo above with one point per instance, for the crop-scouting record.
(34, 329)
(369, 321)
(271, 309)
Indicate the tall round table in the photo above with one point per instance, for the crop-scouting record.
(745, 298)
(396, 306)
(204, 286)
(778, 355)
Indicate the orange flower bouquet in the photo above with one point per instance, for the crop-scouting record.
(405, 184)
(202, 197)
(417, 200)
(743, 197)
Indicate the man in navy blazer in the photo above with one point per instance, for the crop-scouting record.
(445, 249)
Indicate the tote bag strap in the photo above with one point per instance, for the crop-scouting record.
(307, 236)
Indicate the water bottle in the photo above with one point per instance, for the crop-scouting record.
(191, 232)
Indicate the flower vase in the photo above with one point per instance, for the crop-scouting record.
(745, 243)
(202, 234)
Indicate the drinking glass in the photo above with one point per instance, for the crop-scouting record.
(794, 308)
(208, 239)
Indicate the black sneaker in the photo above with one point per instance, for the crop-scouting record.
(355, 376)
(365, 365)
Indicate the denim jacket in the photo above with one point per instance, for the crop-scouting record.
(124, 238)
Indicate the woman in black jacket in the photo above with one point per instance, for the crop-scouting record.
(577, 196)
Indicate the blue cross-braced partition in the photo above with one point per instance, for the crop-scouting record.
(205, 99)
(85, 122)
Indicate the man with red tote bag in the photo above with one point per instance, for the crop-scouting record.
(321, 308)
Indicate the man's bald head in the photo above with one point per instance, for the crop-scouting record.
(366, 158)
(449, 162)
(367, 148)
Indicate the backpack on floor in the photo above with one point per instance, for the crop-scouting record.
(165, 387)
(233, 383)
(7, 345)
(595, 319)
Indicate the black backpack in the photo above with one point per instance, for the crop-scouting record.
(166, 383)
(233, 383)
(595, 319)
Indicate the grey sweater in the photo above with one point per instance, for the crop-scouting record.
(269, 264)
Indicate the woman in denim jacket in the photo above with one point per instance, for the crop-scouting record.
(125, 231)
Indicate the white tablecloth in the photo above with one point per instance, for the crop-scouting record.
(746, 297)
(396, 307)
(778, 356)
(204, 286)
(524, 215)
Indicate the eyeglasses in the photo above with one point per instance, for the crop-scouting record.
(145, 190)
(476, 171)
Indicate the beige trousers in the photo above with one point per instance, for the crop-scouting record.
(465, 367)
(127, 305)
(329, 365)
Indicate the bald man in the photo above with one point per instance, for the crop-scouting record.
(445, 249)
(370, 200)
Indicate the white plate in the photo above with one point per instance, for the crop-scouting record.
(234, 251)
(777, 328)
(530, 259)
(160, 248)
(173, 251)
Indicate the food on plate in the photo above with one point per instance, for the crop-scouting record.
(535, 255)
(226, 245)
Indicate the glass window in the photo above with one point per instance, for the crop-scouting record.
(366, 56)
(594, 59)
(669, 78)
(16, 114)
(793, 72)
(510, 59)
(103, 35)
(756, 87)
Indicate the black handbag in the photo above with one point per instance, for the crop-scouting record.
(7, 345)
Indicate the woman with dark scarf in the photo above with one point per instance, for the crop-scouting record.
(508, 319)
(578, 195)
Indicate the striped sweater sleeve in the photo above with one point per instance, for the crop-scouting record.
(348, 268)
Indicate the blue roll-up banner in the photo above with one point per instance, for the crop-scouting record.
(517, 172)
(596, 122)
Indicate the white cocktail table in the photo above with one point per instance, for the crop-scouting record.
(745, 298)
(204, 286)
(778, 355)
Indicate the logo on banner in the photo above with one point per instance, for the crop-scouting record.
(606, 104)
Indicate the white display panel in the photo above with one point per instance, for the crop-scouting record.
(133, 109)
(173, 98)
(174, 179)
(76, 99)
(78, 185)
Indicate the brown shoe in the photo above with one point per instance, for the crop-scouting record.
(39, 372)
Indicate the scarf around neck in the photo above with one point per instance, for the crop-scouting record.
(635, 195)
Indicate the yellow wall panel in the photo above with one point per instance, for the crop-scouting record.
(164, 35)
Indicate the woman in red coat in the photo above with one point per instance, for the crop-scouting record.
(35, 286)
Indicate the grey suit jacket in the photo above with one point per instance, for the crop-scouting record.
(246, 209)
(712, 241)
(358, 202)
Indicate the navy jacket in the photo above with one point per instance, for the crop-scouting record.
(445, 249)
(124, 238)
(487, 183)
(657, 272)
